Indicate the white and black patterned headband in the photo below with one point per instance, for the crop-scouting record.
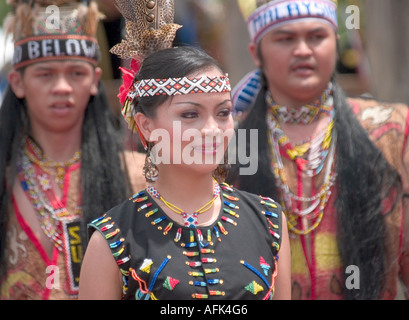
(177, 86)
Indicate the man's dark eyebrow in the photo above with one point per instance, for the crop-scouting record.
(282, 31)
(318, 29)
(45, 66)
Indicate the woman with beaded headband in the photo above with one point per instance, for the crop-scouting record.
(333, 162)
(61, 160)
(187, 235)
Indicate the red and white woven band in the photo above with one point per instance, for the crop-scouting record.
(176, 86)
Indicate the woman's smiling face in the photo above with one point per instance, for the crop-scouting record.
(197, 127)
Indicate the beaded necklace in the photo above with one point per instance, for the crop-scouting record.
(229, 203)
(305, 114)
(291, 202)
(52, 168)
(309, 157)
(189, 219)
(40, 194)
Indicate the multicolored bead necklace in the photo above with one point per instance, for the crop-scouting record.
(305, 114)
(292, 202)
(190, 219)
(39, 193)
(205, 238)
(52, 168)
(309, 157)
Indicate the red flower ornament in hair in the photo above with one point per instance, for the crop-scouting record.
(127, 111)
(127, 80)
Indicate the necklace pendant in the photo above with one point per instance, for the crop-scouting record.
(190, 219)
(44, 182)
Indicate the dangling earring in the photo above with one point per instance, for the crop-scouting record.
(220, 173)
(150, 170)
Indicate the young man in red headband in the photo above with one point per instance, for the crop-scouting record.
(61, 163)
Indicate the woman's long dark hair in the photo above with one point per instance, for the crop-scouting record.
(103, 172)
(364, 178)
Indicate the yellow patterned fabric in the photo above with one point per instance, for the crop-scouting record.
(317, 272)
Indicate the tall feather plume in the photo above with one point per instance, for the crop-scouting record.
(149, 27)
(89, 16)
(128, 9)
(21, 23)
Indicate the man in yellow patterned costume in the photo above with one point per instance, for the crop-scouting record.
(339, 166)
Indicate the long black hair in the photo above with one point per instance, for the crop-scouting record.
(103, 173)
(364, 178)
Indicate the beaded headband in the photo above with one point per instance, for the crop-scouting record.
(168, 87)
(261, 19)
(177, 86)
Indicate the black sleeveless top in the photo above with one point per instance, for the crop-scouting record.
(234, 258)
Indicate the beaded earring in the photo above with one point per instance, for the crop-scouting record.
(150, 170)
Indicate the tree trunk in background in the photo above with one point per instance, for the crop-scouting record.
(386, 37)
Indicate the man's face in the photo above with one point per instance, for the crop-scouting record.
(298, 60)
(56, 93)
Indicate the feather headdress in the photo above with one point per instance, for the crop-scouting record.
(149, 27)
(29, 16)
(51, 29)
